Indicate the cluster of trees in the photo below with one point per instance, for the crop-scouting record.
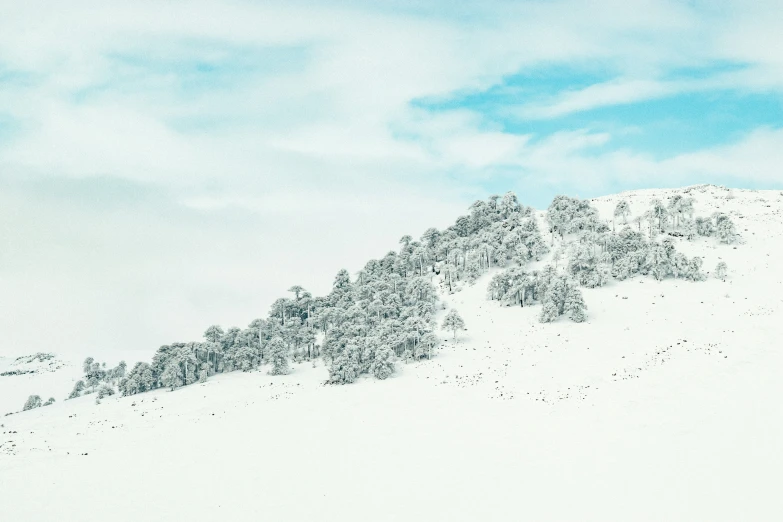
(595, 253)
(497, 232)
(97, 377)
(367, 324)
(621, 255)
(567, 215)
(558, 294)
(676, 217)
(34, 401)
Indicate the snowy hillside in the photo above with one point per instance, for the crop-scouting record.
(41, 373)
(663, 405)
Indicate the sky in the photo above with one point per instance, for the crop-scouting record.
(165, 166)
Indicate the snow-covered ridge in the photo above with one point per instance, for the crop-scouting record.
(28, 364)
(40, 373)
(663, 405)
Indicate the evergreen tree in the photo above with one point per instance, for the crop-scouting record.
(33, 401)
(78, 388)
(345, 366)
(721, 270)
(278, 356)
(622, 210)
(213, 334)
(49, 402)
(658, 215)
(574, 306)
(704, 227)
(659, 262)
(691, 230)
(119, 372)
(549, 310)
(453, 322)
(694, 272)
(383, 363)
(172, 376)
(105, 391)
(724, 228)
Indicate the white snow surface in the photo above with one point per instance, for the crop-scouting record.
(47, 377)
(665, 405)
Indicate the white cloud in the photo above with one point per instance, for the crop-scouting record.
(615, 92)
(288, 171)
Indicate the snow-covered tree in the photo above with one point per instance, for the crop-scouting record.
(214, 333)
(704, 226)
(587, 266)
(33, 401)
(78, 388)
(721, 270)
(724, 228)
(622, 210)
(659, 262)
(119, 371)
(694, 272)
(658, 215)
(574, 307)
(345, 365)
(383, 363)
(453, 322)
(691, 230)
(140, 379)
(566, 215)
(560, 295)
(105, 391)
(277, 354)
(172, 376)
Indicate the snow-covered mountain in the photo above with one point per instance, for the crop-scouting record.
(663, 405)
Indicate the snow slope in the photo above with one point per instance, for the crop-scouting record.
(665, 405)
(28, 375)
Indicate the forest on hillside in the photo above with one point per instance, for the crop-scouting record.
(384, 315)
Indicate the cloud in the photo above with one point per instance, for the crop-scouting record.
(168, 165)
(616, 92)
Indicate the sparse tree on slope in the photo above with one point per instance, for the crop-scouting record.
(691, 230)
(622, 210)
(453, 322)
(658, 213)
(33, 401)
(49, 402)
(721, 270)
(575, 308)
(724, 229)
(78, 388)
(704, 226)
